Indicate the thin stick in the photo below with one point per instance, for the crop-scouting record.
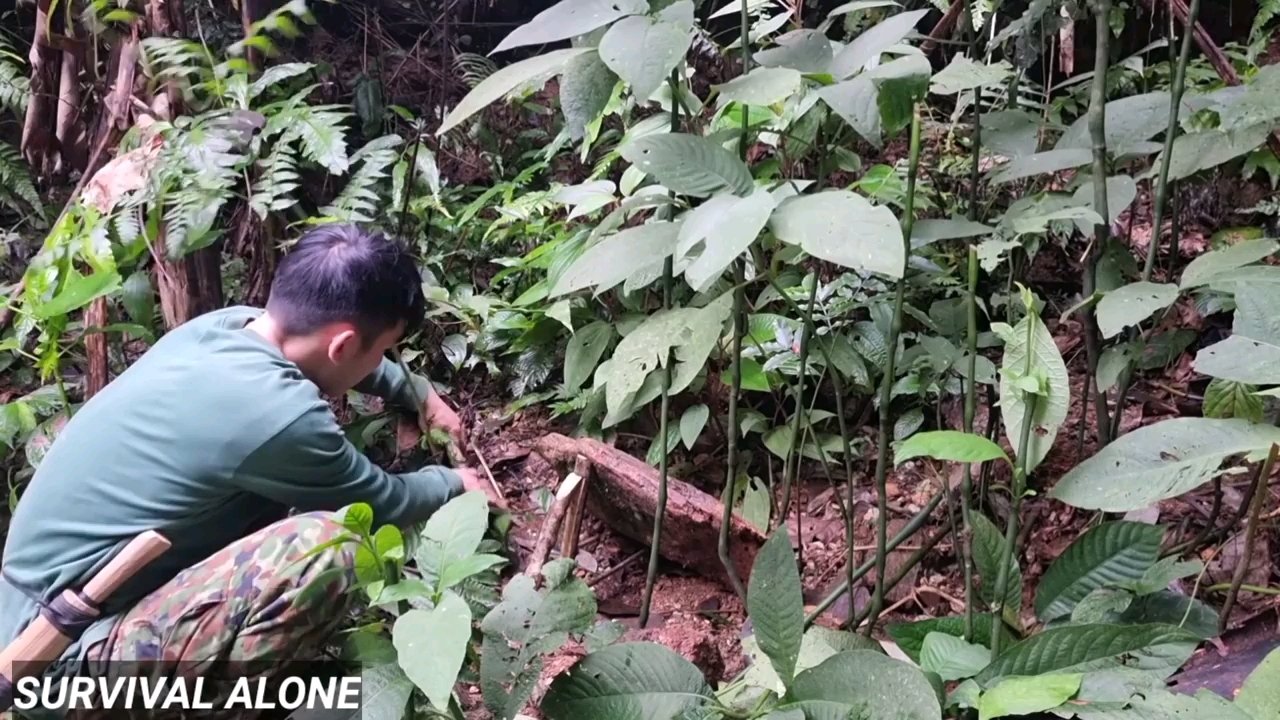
(661, 510)
(615, 569)
(731, 461)
(966, 481)
(792, 463)
(1101, 232)
(882, 459)
(906, 567)
(1250, 533)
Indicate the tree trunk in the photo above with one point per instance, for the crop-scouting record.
(191, 285)
(70, 131)
(95, 346)
(39, 142)
(623, 493)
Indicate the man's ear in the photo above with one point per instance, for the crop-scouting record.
(344, 345)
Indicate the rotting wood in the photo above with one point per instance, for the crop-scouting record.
(624, 495)
(572, 529)
(551, 525)
(39, 145)
(95, 345)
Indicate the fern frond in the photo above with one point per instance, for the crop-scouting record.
(175, 58)
(15, 87)
(15, 178)
(202, 167)
(474, 68)
(1267, 11)
(323, 139)
(274, 188)
(358, 201)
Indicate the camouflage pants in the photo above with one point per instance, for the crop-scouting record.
(240, 613)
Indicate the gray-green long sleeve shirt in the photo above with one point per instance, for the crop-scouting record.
(211, 435)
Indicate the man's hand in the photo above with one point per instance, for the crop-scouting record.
(472, 481)
(436, 414)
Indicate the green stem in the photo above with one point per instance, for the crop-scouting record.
(966, 481)
(1019, 489)
(1162, 184)
(792, 463)
(1097, 131)
(731, 463)
(886, 385)
(661, 511)
(1250, 534)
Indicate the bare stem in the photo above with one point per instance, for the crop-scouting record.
(1250, 534)
(1097, 131)
(792, 462)
(731, 463)
(966, 481)
(886, 385)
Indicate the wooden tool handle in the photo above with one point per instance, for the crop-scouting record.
(138, 553)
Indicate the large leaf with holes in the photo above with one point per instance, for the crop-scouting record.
(499, 84)
(1131, 304)
(1050, 409)
(689, 164)
(1122, 190)
(619, 256)
(569, 18)
(1079, 648)
(1109, 554)
(1194, 152)
(856, 102)
(965, 74)
(870, 44)
(1129, 121)
(1252, 353)
(628, 681)
(725, 225)
(863, 684)
(1159, 461)
(1042, 163)
(806, 50)
(842, 227)
(762, 86)
(775, 604)
(1222, 266)
(643, 50)
(431, 645)
(585, 89)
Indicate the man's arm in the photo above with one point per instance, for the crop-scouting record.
(310, 465)
(390, 383)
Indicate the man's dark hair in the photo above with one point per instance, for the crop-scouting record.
(341, 273)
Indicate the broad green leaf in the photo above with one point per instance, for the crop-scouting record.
(762, 86)
(78, 291)
(951, 445)
(1112, 363)
(642, 51)
(569, 18)
(1012, 133)
(1170, 608)
(1129, 121)
(757, 504)
(862, 683)
(1260, 694)
(1228, 399)
(819, 644)
(459, 525)
(499, 84)
(951, 657)
(775, 604)
(690, 332)
(1250, 354)
(583, 352)
(689, 164)
(1166, 570)
(1205, 150)
(1108, 554)
(1132, 304)
(924, 232)
(1078, 648)
(856, 102)
(1042, 163)
(1101, 605)
(139, 299)
(900, 84)
(988, 548)
(431, 645)
(870, 44)
(390, 542)
(726, 225)
(910, 636)
(358, 518)
(692, 423)
(1050, 411)
(627, 681)
(456, 571)
(964, 74)
(806, 50)
(585, 89)
(619, 256)
(1218, 263)
(1121, 192)
(384, 693)
(842, 227)
(1027, 695)
(1158, 461)
(407, 589)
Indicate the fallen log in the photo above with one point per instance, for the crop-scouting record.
(623, 493)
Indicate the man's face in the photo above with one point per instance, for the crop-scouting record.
(350, 362)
